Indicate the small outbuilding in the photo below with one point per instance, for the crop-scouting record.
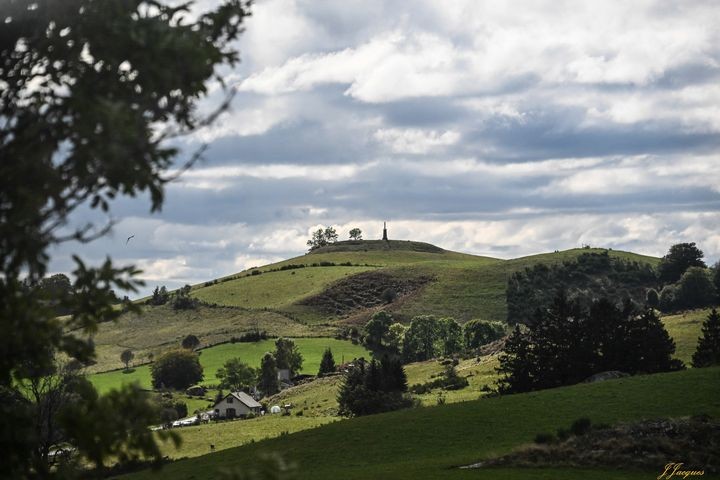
(236, 404)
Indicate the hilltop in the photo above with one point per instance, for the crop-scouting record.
(443, 282)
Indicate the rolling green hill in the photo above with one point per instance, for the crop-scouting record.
(281, 297)
(462, 286)
(429, 442)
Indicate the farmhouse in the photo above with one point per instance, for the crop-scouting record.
(236, 404)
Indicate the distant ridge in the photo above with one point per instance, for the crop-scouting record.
(368, 245)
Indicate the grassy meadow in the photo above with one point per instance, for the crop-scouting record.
(196, 440)
(213, 358)
(464, 287)
(428, 442)
(160, 328)
(274, 289)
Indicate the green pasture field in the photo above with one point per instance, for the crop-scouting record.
(213, 358)
(429, 442)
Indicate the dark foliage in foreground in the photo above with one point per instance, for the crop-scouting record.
(92, 94)
(567, 343)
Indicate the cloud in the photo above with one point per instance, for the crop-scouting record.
(415, 140)
(494, 128)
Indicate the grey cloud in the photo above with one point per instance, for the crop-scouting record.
(323, 126)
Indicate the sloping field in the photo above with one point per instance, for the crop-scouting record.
(274, 289)
(213, 358)
(464, 286)
(429, 442)
(461, 286)
(160, 328)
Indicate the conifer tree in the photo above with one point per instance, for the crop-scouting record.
(708, 349)
(327, 364)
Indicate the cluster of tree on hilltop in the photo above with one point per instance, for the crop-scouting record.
(681, 281)
(325, 236)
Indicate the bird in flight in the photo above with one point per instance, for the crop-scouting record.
(128, 239)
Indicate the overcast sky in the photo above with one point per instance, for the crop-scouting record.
(494, 128)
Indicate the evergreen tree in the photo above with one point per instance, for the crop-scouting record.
(566, 344)
(373, 388)
(517, 368)
(708, 348)
(268, 379)
(327, 364)
(651, 346)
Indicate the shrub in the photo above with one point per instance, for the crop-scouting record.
(388, 295)
(191, 342)
(450, 380)
(183, 301)
(544, 438)
(581, 426)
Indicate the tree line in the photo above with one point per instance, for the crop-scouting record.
(681, 281)
(428, 336)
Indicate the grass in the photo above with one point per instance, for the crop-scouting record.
(196, 440)
(685, 328)
(213, 358)
(466, 286)
(428, 442)
(314, 399)
(274, 289)
(160, 328)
